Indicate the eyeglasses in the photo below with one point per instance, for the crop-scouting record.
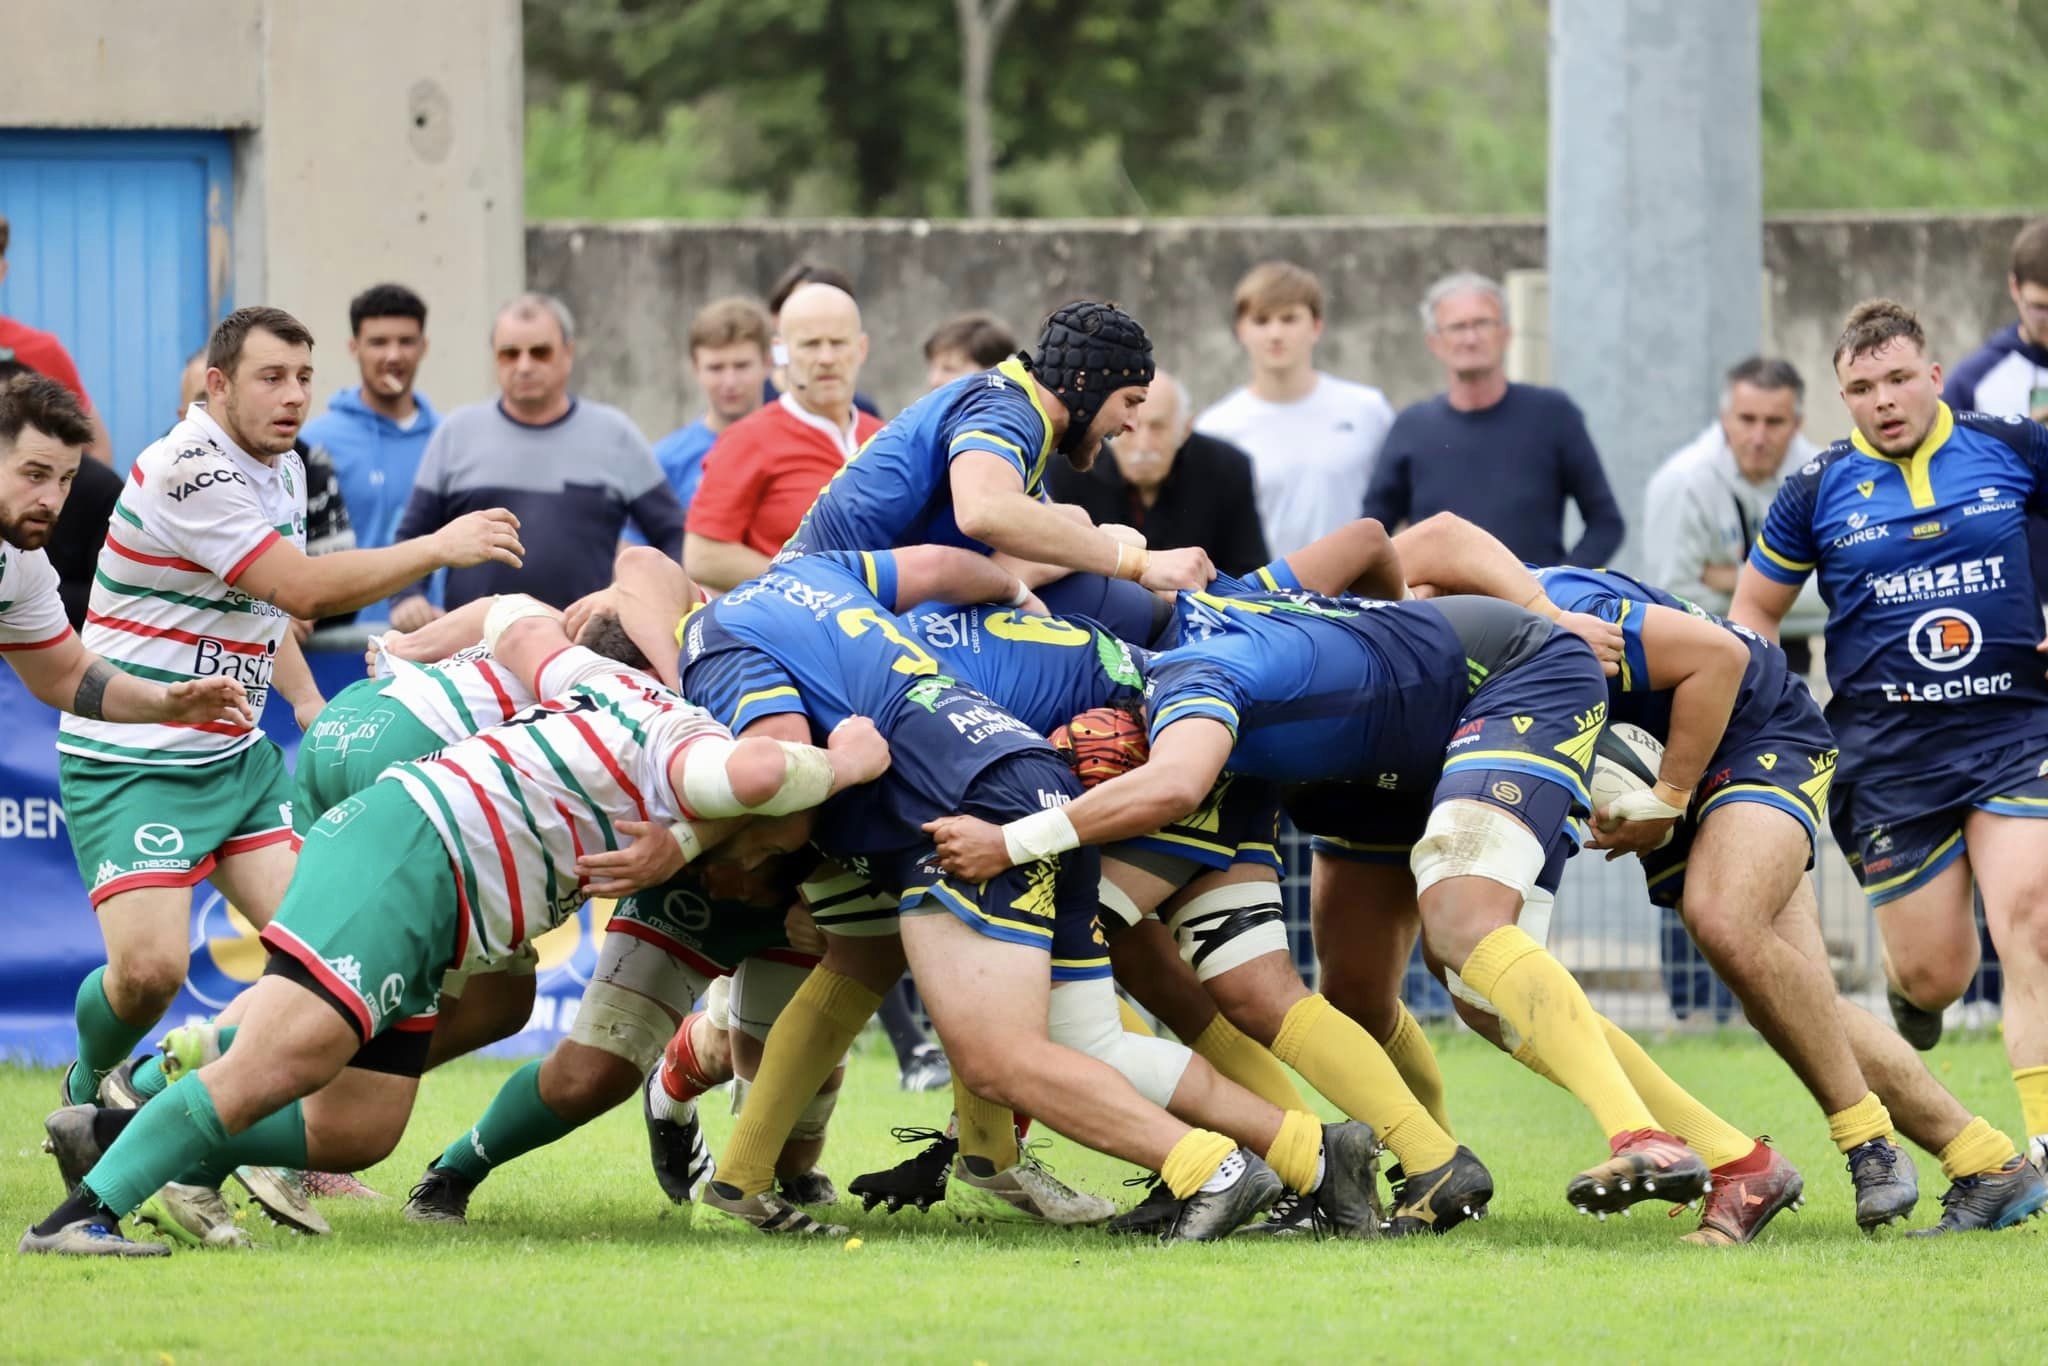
(543, 353)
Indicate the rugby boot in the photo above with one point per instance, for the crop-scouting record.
(1208, 1215)
(1438, 1200)
(1648, 1164)
(676, 1148)
(807, 1188)
(1025, 1193)
(2011, 1195)
(88, 1238)
(1887, 1187)
(337, 1186)
(70, 1140)
(197, 1216)
(1152, 1215)
(277, 1192)
(118, 1090)
(927, 1069)
(189, 1048)
(767, 1211)
(919, 1180)
(1920, 1028)
(441, 1197)
(1736, 1209)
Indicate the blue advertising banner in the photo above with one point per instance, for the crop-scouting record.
(49, 942)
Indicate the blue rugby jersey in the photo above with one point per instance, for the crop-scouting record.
(1933, 610)
(896, 491)
(1043, 670)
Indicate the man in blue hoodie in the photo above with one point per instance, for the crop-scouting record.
(376, 432)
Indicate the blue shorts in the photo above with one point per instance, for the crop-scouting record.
(1239, 822)
(1049, 905)
(1784, 759)
(1899, 832)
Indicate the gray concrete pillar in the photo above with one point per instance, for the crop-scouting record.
(1656, 234)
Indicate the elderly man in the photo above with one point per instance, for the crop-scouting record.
(764, 471)
(1179, 486)
(1706, 503)
(574, 470)
(1506, 456)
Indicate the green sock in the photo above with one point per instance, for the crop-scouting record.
(174, 1135)
(276, 1140)
(104, 1039)
(518, 1121)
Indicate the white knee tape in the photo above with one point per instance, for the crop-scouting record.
(648, 969)
(717, 998)
(760, 989)
(810, 1124)
(1229, 926)
(622, 1023)
(1475, 839)
(1084, 1017)
(1118, 903)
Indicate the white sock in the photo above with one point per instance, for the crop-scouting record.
(1227, 1174)
(662, 1105)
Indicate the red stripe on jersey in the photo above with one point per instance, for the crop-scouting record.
(633, 929)
(270, 538)
(611, 765)
(136, 628)
(542, 671)
(575, 842)
(210, 727)
(483, 666)
(462, 911)
(135, 473)
(165, 561)
(505, 860)
(58, 639)
(281, 940)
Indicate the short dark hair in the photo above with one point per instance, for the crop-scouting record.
(224, 348)
(805, 273)
(1875, 322)
(1768, 372)
(385, 301)
(982, 337)
(606, 634)
(2029, 252)
(37, 401)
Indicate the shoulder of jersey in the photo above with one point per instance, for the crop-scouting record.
(1814, 470)
(2012, 430)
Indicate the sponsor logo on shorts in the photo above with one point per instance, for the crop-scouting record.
(982, 720)
(1506, 792)
(1962, 578)
(1387, 782)
(1522, 724)
(2042, 771)
(389, 994)
(348, 969)
(687, 910)
(1467, 733)
(1048, 800)
(158, 840)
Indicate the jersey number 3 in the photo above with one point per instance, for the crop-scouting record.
(856, 621)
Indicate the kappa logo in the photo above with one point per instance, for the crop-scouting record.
(1867, 487)
(108, 871)
(348, 970)
(1945, 640)
(158, 840)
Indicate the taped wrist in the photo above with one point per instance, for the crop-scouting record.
(511, 607)
(1040, 835)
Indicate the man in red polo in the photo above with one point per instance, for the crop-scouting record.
(43, 353)
(766, 469)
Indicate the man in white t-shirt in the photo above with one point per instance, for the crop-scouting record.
(1312, 437)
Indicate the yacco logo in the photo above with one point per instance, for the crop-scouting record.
(1945, 640)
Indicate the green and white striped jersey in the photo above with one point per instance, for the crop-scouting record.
(31, 610)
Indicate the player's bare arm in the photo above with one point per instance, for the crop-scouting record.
(1357, 558)
(989, 504)
(938, 573)
(348, 579)
(72, 678)
(1186, 760)
(1761, 603)
(1448, 554)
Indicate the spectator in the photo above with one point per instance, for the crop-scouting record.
(74, 544)
(1506, 456)
(2008, 375)
(765, 470)
(729, 356)
(1705, 503)
(573, 470)
(966, 345)
(1312, 437)
(374, 433)
(45, 355)
(804, 273)
(1171, 482)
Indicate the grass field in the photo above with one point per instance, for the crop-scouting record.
(573, 1253)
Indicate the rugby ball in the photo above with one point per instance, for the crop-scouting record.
(1626, 759)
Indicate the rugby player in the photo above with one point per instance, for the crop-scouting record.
(1916, 527)
(1295, 688)
(201, 574)
(440, 863)
(816, 637)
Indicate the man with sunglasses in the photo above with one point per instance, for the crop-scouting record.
(577, 470)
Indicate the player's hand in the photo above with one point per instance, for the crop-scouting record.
(650, 860)
(577, 614)
(1615, 831)
(1032, 606)
(476, 537)
(859, 753)
(409, 614)
(219, 700)
(804, 934)
(1604, 636)
(1126, 535)
(1178, 570)
(308, 711)
(969, 847)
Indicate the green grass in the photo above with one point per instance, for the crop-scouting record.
(573, 1253)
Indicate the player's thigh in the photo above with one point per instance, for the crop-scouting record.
(148, 936)
(291, 1042)
(2010, 857)
(481, 1008)
(255, 879)
(356, 1120)
(1146, 963)
(986, 996)
(874, 961)
(1365, 922)
(1746, 860)
(1930, 937)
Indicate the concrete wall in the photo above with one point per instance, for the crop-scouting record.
(373, 140)
(633, 287)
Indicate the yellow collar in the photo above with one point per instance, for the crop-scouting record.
(1914, 467)
(1013, 369)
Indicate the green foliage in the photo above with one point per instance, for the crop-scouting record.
(1156, 107)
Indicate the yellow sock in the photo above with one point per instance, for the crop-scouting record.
(987, 1129)
(809, 1038)
(1545, 1006)
(1527, 1057)
(1194, 1160)
(1979, 1148)
(1861, 1122)
(1243, 1059)
(1296, 1149)
(2033, 1087)
(1346, 1064)
(1415, 1060)
(1675, 1110)
(1134, 1023)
